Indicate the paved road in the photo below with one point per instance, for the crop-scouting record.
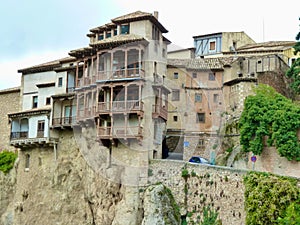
(175, 156)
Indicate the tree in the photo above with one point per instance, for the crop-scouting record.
(294, 71)
(270, 116)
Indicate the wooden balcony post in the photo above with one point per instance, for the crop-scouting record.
(111, 97)
(140, 96)
(126, 59)
(140, 61)
(76, 76)
(126, 121)
(126, 89)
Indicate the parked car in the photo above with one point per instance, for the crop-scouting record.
(199, 160)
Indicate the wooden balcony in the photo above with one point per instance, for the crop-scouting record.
(121, 74)
(119, 132)
(110, 75)
(86, 113)
(19, 135)
(120, 106)
(159, 111)
(63, 121)
(21, 140)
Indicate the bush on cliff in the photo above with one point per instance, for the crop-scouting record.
(7, 160)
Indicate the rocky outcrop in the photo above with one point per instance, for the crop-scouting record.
(160, 207)
(7, 187)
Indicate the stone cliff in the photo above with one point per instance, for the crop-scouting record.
(65, 190)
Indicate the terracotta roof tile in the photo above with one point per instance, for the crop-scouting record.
(50, 64)
(267, 46)
(119, 39)
(131, 16)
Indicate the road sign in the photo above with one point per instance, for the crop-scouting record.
(253, 158)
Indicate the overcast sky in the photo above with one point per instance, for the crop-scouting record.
(35, 31)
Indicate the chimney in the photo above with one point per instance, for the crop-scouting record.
(155, 14)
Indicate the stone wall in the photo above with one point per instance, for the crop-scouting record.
(10, 103)
(220, 187)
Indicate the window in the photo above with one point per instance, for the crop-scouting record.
(125, 29)
(200, 118)
(216, 98)
(201, 142)
(60, 81)
(41, 128)
(198, 97)
(34, 102)
(27, 162)
(211, 76)
(175, 75)
(100, 37)
(108, 34)
(115, 31)
(164, 53)
(212, 45)
(175, 95)
(175, 118)
(194, 75)
(48, 101)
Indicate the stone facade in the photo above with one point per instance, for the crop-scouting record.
(10, 103)
(220, 187)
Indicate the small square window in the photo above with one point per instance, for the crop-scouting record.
(48, 101)
(212, 45)
(212, 76)
(198, 97)
(175, 118)
(100, 37)
(115, 31)
(175, 95)
(194, 75)
(125, 29)
(108, 34)
(60, 81)
(175, 75)
(200, 118)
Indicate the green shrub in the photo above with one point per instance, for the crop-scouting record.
(210, 217)
(269, 115)
(7, 160)
(271, 199)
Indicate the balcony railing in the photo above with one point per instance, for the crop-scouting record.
(70, 89)
(19, 135)
(86, 113)
(119, 132)
(110, 75)
(120, 106)
(64, 121)
(159, 111)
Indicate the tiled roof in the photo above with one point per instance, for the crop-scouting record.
(81, 51)
(206, 63)
(202, 64)
(9, 90)
(117, 40)
(29, 112)
(131, 16)
(178, 62)
(267, 46)
(45, 66)
(103, 27)
(139, 15)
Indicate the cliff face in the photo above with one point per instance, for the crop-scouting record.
(66, 190)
